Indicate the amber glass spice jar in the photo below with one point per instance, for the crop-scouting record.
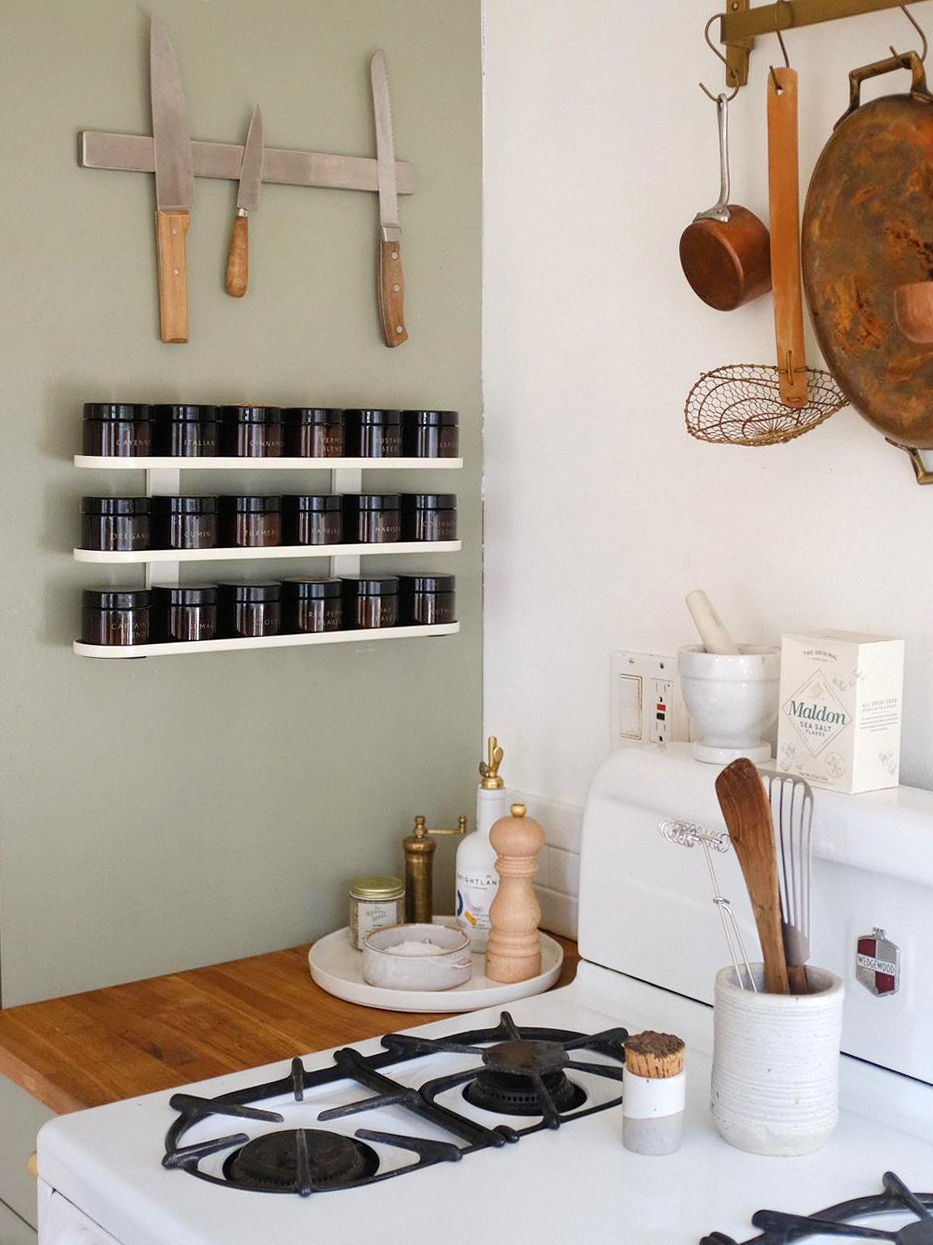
(115, 523)
(426, 600)
(310, 605)
(249, 609)
(184, 522)
(312, 519)
(429, 516)
(373, 434)
(182, 430)
(313, 432)
(251, 431)
(371, 518)
(186, 612)
(115, 616)
(370, 601)
(430, 434)
(250, 522)
(117, 429)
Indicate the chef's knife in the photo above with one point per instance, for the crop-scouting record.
(174, 178)
(390, 280)
(247, 201)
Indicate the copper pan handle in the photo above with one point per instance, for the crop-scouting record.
(906, 60)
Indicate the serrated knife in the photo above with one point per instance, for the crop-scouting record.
(247, 201)
(174, 179)
(390, 279)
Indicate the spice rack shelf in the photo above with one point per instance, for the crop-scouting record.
(180, 649)
(237, 554)
(266, 464)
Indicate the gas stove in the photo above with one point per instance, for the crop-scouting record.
(513, 1118)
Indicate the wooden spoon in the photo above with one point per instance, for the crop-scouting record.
(784, 199)
(747, 813)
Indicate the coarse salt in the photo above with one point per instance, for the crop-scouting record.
(413, 947)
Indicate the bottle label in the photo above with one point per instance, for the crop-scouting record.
(475, 893)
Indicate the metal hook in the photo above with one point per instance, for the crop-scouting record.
(916, 25)
(712, 47)
(780, 38)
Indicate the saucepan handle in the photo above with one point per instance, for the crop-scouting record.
(905, 60)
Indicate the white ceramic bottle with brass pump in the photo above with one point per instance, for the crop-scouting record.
(477, 879)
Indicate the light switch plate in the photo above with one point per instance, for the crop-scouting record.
(646, 705)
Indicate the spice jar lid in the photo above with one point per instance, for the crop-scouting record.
(427, 583)
(311, 501)
(115, 505)
(252, 505)
(304, 415)
(267, 590)
(377, 888)
(370, 585)
(117, 410)
(432, 419)
(375, 416)
(163, 506)
(185, 594)
(373, 501)
(429, 501)
(184, 412)
(252, 414)
(311, 589)
(115, 598)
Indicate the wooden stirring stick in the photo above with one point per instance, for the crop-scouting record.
(747, 813)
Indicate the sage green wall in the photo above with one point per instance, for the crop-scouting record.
(168, 813)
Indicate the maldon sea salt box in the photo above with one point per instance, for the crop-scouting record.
(839, 724)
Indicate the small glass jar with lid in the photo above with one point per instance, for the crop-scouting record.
(370, 601)
(251, 431)
(250, 522)
(184, 430)
(313, 432)
(375, 902)
(184, 522)
(312, 519)
(429, 516)
(185, 612)
(424, 600)
(115, 523)
(312, 605)
(115, 616)
(430, 434)
(373, 433)
(117, 429)
(249, 610)
(371, 518)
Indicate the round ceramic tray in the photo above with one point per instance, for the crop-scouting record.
(338, 969)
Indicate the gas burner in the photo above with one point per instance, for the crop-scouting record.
(780, 1228)
(300, 1160)
(516, 1072)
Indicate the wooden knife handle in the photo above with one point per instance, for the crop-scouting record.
(171, 228)
(391, 293)
(784, 226)
(238, 257)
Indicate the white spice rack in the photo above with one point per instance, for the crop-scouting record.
(163, 478)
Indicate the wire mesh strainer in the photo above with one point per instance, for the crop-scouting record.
(741, 405)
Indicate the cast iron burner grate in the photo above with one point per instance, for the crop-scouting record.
(780, 1228)
(525, 1065)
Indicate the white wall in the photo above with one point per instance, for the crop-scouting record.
(601, 512)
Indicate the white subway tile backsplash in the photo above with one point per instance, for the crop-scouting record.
(557, 880)
(563, 871)
(558, 912)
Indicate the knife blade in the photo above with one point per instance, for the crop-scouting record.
(247, 201)
(174, 179)
(390, 286)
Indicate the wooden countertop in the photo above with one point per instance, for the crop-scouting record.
(97, 1047)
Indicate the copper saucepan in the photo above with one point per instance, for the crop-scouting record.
(726, 252)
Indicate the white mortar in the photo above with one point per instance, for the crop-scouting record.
(732, 701)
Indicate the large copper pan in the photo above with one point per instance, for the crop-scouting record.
(868, 228)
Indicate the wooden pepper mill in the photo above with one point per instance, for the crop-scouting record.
(513, 952)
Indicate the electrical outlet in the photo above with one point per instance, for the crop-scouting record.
(646, 706)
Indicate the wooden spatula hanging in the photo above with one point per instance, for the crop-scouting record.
(784, 202)
(747, 813)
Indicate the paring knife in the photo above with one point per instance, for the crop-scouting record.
(247, 201)
(390, 279)
(174, 178)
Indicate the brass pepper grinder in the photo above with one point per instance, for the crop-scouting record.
(513, 952)
(419, 869)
